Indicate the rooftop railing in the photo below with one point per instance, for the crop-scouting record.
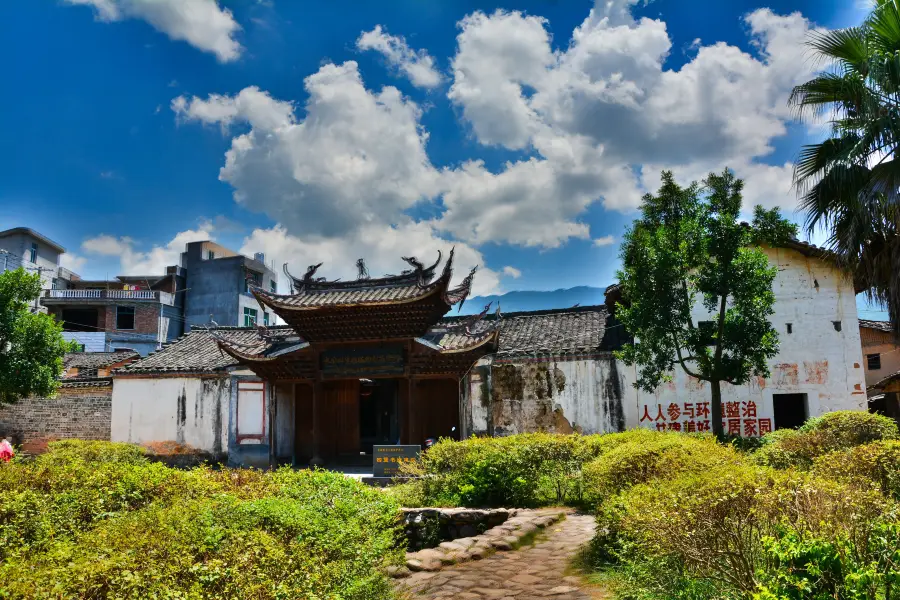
(131, 295)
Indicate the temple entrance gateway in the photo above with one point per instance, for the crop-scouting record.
(363, 363)
(378, 418)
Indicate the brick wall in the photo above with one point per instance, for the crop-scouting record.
(76, 412)
(146, 318)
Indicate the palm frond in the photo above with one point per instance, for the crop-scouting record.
(845, 47)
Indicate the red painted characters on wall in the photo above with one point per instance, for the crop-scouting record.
(739, 418)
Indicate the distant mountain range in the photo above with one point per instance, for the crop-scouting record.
(533, 300)
(586, 296)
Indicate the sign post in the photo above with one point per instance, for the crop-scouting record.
(388, 459)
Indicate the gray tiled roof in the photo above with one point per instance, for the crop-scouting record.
(86, 383)
(879, 325)
(553, 332)
(447, 338)
(353, 296)
(198, 351)
(560, 332)
(96, 360)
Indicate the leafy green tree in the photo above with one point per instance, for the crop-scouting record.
(31, 344)
(687, 246)
(850, 182)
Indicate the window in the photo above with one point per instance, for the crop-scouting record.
(252, 277)
(124, 317)
(32, 254)
(273, 286)
(836, 325)
(265, 318)
(874, 361)
(251, 412)
(210, 255)
(249, 316)
(790, 328)
(707, 332)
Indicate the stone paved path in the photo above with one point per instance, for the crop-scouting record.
(538, 571)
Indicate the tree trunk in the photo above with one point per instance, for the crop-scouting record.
(716, 407)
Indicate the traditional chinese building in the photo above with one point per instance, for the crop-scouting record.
(359, 363)
(377, 361)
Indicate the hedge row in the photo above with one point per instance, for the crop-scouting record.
(97, 520)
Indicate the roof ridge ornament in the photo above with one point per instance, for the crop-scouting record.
(362, 271)
(462, 291)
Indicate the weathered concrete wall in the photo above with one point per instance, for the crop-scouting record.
(215, 288)
(820, 357)
(189, 411)
(80, 413)
(587, 395)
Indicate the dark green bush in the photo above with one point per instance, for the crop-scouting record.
(124, 528)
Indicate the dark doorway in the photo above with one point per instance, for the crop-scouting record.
(790, 410)
(378, 423)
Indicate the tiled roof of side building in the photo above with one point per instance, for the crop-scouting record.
(96, 360)
(879, 325)
(556, 332)
(198, 351)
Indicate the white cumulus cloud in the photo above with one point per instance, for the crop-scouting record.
(154, 261)
(417, 65)
(201, 23)
(345, 174)
(73, 262)
(382, 247)
(512, 272)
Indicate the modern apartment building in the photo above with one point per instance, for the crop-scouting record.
(133, 312)
(36, 253)
(217, 286)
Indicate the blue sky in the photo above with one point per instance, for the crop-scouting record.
(115, 148)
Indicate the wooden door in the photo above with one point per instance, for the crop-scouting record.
(437, 407)
(303, 423)
(342, 416)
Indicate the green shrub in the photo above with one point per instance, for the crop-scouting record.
(878, 462)
(820, 435)
(788, 448)
(122, 527)
(804, 568)
(520, 470)
(848, 428)
(710, 526)
(643, 458)
(92, 451)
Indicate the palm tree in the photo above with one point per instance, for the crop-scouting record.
(850, 183)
